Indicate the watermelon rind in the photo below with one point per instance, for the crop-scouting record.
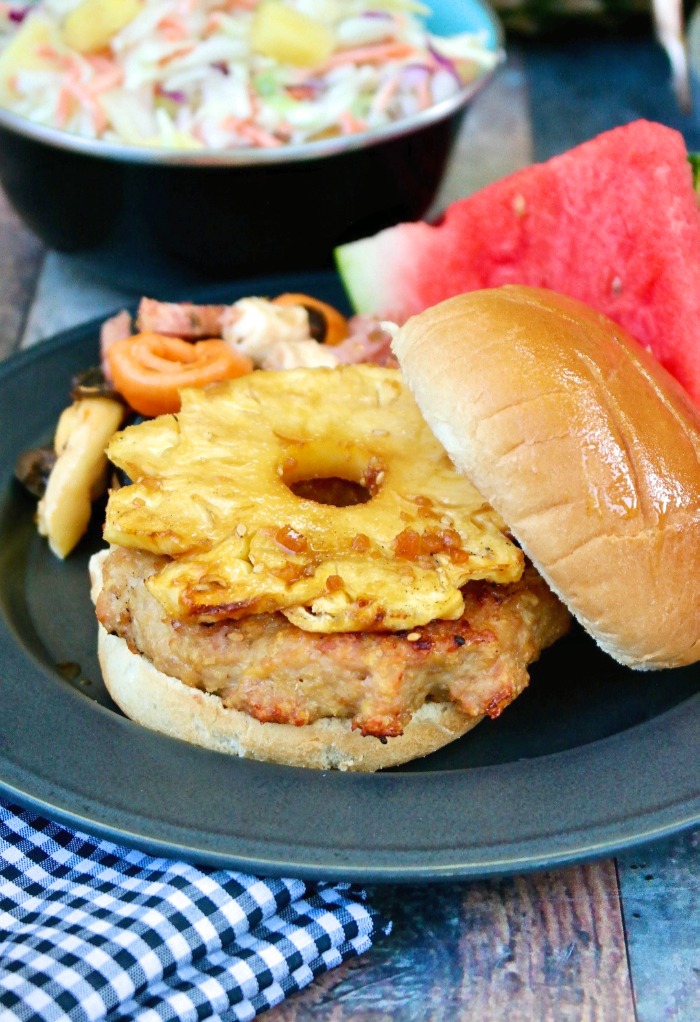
(356, 264)
(694, 159)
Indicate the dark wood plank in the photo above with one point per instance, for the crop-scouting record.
(660, 887)
(21, 255)
(542, 948)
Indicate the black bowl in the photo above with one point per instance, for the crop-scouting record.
(146, 218)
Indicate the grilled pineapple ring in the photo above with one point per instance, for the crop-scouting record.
(213, 490)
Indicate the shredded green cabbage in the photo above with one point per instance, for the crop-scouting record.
(187, 73)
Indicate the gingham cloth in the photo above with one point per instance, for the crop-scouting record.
(90, 931)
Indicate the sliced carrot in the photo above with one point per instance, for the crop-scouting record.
(336, 323)
(149, 370)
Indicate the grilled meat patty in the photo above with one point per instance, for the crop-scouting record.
(274, 671)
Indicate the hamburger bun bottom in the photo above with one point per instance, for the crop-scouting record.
(164, 704)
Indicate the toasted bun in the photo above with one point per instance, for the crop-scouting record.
(589, 450)
(163, 703)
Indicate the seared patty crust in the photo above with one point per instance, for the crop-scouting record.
(275, 672)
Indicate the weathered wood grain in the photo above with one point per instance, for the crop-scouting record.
(660, 888)
(21, 255)
(542, 948)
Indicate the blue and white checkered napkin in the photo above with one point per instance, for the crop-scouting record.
(93, 931)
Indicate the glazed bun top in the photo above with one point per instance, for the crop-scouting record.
(585, 445)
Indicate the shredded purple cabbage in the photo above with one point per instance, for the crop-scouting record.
(414, 74)
(172, 94)
(18, 14)
(445, 62)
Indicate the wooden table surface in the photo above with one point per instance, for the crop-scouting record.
(608, 941)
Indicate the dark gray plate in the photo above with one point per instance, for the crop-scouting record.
(591, 759)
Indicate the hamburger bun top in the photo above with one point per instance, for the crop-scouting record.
(585, 445)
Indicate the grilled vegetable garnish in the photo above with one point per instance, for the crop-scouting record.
(33, 468)
(79, 474)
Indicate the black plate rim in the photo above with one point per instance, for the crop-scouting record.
(571, 848)
(668, 742)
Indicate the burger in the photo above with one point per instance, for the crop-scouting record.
(351, 567)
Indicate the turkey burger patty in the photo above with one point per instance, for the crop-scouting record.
(277, 673)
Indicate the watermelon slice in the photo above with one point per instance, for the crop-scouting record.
(613, 222)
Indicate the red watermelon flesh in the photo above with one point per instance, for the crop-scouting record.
(613, 222)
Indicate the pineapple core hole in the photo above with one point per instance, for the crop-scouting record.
(332, 474)
(331, 490)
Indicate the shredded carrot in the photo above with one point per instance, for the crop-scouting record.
(149, 369)
(258, 136)
(198, 134)
(182, 51)
(74, 87)
(376, 54)
(76, 90)
(99, 62)
(212, 24)
(336, 323)
(172, 27)
(108, 79)
(215, 19)
(65, 105)
(300, 92)
(425, 97)
(349, 124)
(48, 52)
(385, 95)
(254, 101)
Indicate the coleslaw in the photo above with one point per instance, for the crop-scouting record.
(222, 74)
